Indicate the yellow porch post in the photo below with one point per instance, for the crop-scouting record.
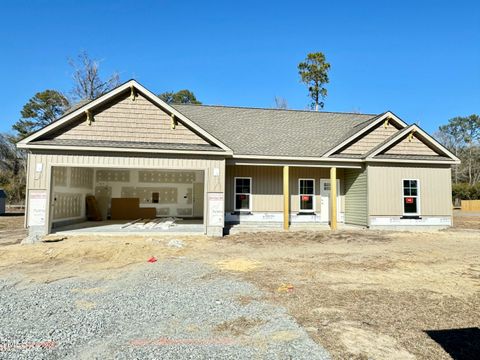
(286, 198)
(333, 198)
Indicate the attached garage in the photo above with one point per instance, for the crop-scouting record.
(137, 157)
(80, 194)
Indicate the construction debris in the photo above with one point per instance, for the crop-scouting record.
(157, 223)
(176, 243)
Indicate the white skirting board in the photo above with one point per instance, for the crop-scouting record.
(397, 221)
(275, 217)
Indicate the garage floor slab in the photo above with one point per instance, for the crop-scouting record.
(183, 226)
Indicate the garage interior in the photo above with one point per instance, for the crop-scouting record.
(126, 200)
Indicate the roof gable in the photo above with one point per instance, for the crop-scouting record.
(375, 136)
(356, 134)
(127, 119)
(106, 108)
(411, 143)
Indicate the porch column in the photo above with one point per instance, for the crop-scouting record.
(333, 198)
(286, 198)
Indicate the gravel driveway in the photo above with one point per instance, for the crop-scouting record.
(164, 310)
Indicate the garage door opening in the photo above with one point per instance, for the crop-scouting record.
(126, 200)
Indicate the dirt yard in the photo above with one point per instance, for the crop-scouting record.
(11, 228)
(466, 220)
(360, 294)
(366, 295)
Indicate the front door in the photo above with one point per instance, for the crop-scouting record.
(325, 200)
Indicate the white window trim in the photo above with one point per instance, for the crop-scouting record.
(300, 197)
(419, 211)
(249, 194)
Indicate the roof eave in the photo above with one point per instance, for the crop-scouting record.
(412, 161)
(30, 146)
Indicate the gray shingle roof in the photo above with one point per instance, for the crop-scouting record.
(274, 132)
(127, 144)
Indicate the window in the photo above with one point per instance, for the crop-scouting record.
(306, 192)
(411, 204)
(243, 194)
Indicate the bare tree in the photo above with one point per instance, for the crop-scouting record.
(88, 84)
(281, 103)
(462, 137)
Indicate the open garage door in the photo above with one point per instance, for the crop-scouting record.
(114, 200)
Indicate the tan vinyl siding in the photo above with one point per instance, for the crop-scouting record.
(307, 173)
(371, 139)
(267, 186)
(385, 189)
(414, 146)
(356, 206)
(127, 120)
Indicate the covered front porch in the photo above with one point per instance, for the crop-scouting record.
(294, 195)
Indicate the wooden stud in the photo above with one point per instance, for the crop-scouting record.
(333, 198)
(286, 198)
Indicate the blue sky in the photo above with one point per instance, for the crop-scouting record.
(420, 59)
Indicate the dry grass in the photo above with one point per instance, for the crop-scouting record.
(368, 294)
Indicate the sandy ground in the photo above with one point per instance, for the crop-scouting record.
(466, 220)
(360, 294)
(11, 228)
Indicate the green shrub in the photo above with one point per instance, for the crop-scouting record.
(466, 191)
